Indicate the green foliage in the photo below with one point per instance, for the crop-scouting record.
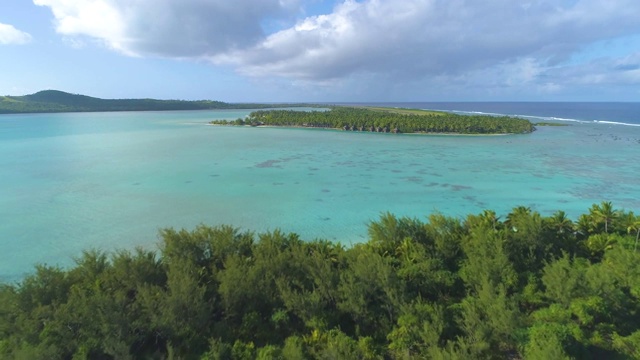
(482, 287)
(57, 101)
(369, 293)
(489, 320)
(547, 341)
(628, 345)
(294, 348)
(565, 280)
(418, 329)
(486, 261)
(374, 120)
(218, 350)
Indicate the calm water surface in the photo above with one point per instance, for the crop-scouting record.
(70, 182)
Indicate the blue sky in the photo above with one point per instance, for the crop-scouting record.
(324, 50)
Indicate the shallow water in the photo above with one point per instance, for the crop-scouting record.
(69, 182)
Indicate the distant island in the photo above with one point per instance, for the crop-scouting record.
(363, 118)
(52, 101)
(387, 120)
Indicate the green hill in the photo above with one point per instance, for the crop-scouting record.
(59, 101)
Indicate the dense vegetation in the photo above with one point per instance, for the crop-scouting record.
(375, 120)
(526, 286)
(58, 101)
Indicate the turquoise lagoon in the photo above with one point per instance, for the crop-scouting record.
(70, 182)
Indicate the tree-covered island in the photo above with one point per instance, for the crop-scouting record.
(523, 286)
(387, 120)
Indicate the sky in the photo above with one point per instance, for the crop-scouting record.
(324, 50)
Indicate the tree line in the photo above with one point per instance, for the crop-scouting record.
(482, 287)
(362, 119)
(58, 101)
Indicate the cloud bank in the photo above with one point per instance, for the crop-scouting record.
(438, 41)
(168, 28)
(432, 37)
(11, 35)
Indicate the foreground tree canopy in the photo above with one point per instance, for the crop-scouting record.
(483, 287)
(387, 120)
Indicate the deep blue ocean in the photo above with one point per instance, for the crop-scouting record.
(70, 182)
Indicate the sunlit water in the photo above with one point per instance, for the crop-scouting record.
(70, 182)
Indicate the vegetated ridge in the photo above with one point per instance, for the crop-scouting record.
(387, 120)
(525, 286)
(58, 101)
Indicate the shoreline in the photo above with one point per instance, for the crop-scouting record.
(366, 132)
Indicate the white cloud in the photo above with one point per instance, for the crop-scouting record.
(11, 35)
(499, 45)
(170, 28)
(410, 38)
(600, 72)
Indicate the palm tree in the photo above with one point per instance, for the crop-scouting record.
(563, 232)
(517, 213)
(599, 243)
(604, 213)
(635, 226)
(489, 217)
(560, 222)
